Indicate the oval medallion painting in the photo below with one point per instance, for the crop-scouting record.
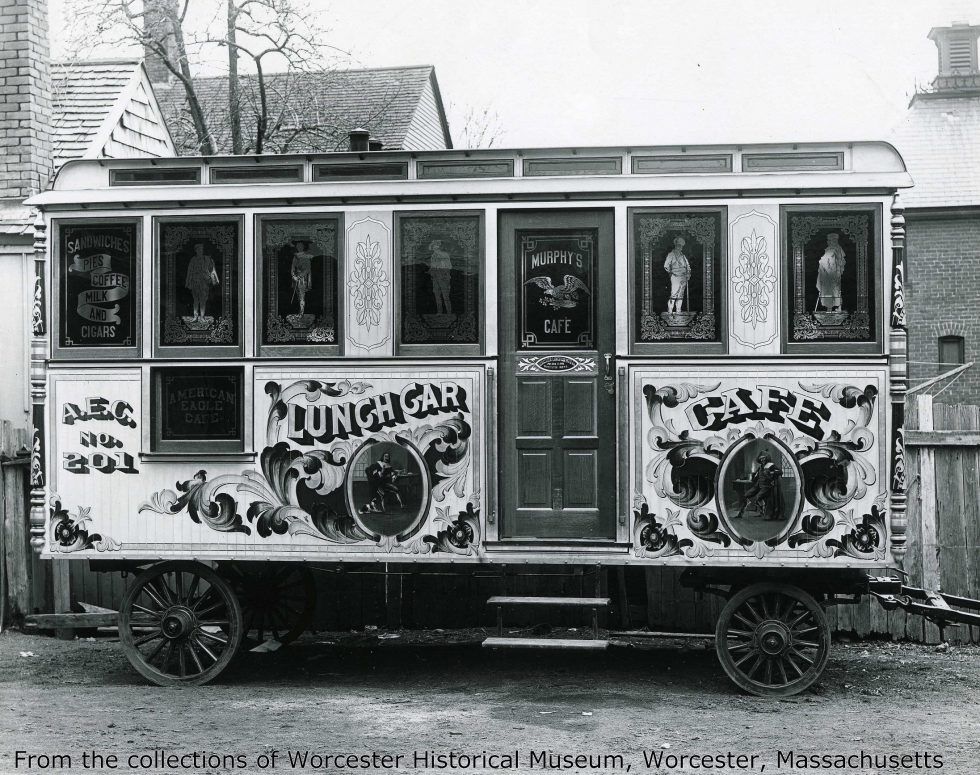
(388, 489)
(759, 489)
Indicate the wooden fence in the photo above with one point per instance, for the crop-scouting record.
(943, 458)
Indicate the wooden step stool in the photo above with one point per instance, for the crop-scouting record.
(593, 603)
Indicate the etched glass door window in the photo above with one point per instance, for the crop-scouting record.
(299, 281)
(556, 295)
(440, 259)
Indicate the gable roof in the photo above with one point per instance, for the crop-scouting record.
(98, 105)
(315, 111)
(940, 142)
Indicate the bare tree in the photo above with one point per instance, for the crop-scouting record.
(481, 127)
(264, 35)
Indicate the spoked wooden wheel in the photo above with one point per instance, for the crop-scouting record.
(772, 639)
(180, 623)
(277, 599)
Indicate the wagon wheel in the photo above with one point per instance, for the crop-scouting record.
(772, 639)
(180, 623)
(277, 599)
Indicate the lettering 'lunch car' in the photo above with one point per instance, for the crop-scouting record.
(681, 356)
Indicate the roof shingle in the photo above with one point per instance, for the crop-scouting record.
(940, 142)
(83, 93)
(314, 111)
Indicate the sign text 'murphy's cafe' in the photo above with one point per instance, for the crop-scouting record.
(96, 286)
(321, 423)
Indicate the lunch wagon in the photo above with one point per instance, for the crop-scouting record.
(243, 367)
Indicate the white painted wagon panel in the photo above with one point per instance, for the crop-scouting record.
(822, 425)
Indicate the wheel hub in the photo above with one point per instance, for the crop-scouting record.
(177, 622)
(774, 637)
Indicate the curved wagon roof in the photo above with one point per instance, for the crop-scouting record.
(471, 175)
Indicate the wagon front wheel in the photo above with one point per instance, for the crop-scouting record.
(180, 623)
(773, 640)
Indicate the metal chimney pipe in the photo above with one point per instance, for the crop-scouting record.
(359, 139)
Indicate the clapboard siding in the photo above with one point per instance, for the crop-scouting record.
(425, 130)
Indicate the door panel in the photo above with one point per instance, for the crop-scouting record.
(557, 441)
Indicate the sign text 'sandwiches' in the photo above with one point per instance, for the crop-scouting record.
(98, 298)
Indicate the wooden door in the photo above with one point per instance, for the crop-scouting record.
(557, 410)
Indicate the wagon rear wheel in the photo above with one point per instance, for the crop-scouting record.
(277, 599)
(772, 639)
(180, 623)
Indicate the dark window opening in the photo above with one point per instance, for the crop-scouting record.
(198, 409)
(952, 350)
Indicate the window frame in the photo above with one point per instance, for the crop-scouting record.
(161, 350)
(96, 352)
(426, 349)
(158, 446)
(959, 341)
(875, 293)
(307, 350)
(679, 346)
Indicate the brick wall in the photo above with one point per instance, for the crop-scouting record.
(943, 298)
(25, 98)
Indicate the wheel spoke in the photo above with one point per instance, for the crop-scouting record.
(782, 670)
(212, 636)
(154, 595)
(154, 614)
(179, 586)
(768, 678)
(744, 659)
(167, 656)
(147, 638)
(755, 614)
(796, 622)
(755, 665)
(194, 656)
(212, 609)
(809, 644)
(207, 593)
(743, 620)
(739, 646)
(156, 651)
(192, 590)
(801, 655)
(788, 658)
(765, 607)
(205, 649)
(181, 661)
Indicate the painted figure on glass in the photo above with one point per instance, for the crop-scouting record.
(679, 269)
(301, 271)
(202, 275)
(441, 272)
(830, 269)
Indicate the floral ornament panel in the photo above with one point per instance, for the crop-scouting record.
(677, 260)
(753, 247)
(298, 264)
(832, 276)
(739, 465)
(368, 285)
(70, 532)
(198, 281)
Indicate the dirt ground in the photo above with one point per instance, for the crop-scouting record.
(371, 693)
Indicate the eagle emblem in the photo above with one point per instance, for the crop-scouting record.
(564, 296)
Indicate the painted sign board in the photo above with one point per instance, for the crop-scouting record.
(740, 464)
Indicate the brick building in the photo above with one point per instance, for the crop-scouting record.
(50, 113)
(940, 141)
